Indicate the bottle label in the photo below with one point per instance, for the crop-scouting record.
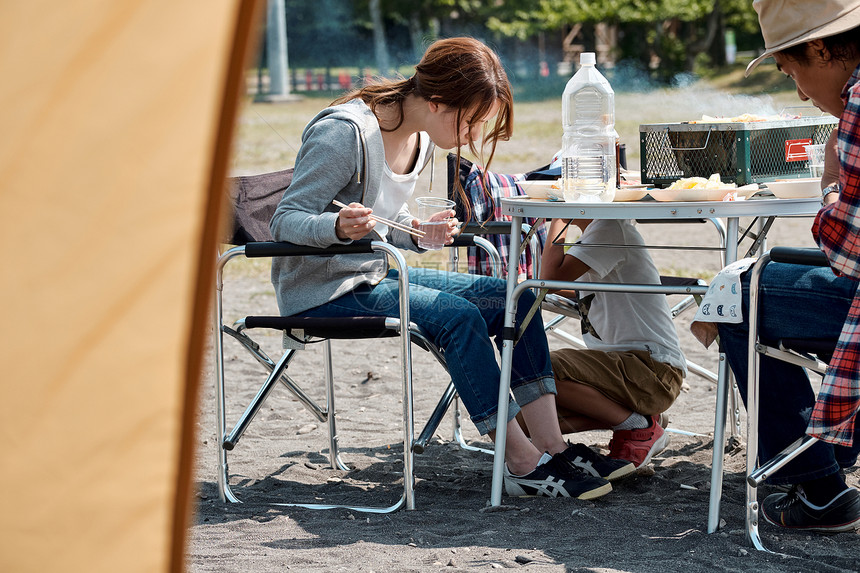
(588, 178)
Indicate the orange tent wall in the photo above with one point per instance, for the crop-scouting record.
(116, 119)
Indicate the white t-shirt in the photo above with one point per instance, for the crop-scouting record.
(624, 321)
(396, 189)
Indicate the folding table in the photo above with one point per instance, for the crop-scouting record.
(731, 211)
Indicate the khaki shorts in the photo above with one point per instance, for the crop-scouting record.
(630, 378)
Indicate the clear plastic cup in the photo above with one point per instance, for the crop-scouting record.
(815, 153)
(433, 214)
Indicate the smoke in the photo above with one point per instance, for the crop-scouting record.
(703, 101)
(684, 98)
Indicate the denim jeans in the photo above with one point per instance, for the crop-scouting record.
(460, 313)
(796, 301)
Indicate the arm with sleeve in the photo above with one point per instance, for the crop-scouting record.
(325, 170)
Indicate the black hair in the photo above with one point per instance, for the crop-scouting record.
(842, 47)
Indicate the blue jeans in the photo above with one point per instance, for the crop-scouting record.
(460, 313)
(796, 301)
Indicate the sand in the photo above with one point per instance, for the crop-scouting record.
(654, 520)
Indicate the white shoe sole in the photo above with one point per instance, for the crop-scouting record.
(550, 488)
(656, 448)
(621, 472)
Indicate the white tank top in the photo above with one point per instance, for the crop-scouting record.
(395, 189)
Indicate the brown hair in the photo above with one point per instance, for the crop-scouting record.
(461, 73)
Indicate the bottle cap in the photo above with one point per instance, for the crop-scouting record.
(587, 58)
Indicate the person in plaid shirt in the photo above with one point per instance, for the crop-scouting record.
(817, 44)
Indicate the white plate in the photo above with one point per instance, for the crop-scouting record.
(716, 194)
(545, 189)
(551, 190)
(795, 188)
(625, 193)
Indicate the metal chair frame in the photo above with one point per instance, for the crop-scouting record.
(757, 474)
(325, 413)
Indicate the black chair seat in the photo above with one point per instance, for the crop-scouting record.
(340, 328)
(679, 281)
(823, 348)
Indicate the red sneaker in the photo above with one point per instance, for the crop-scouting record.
(638, 446)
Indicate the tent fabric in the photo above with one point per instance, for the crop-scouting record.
(116, 119)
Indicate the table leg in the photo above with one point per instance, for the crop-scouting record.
(509, 334)
(722, 398)
(719, 445)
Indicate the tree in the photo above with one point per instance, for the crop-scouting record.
(671, 33)
(663, 37)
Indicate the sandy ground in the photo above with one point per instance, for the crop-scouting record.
(655, 520)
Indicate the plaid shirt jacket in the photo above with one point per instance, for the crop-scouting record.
(487, 206)
(837, 231)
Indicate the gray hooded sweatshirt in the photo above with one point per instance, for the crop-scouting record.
(341, 157)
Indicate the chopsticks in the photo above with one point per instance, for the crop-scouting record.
(389, 222)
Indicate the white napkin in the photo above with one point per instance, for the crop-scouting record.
(722, 302)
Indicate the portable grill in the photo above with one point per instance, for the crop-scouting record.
(741, 152)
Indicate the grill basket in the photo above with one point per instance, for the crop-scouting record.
(741, 153)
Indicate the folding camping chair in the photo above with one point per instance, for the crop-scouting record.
(301, 331)
(810, 353)
(255, 199)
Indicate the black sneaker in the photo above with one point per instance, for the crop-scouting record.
(589, 461)
(555, 477)
(793, 511)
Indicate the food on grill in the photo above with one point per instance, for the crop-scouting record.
(712, 182)
(743, 118)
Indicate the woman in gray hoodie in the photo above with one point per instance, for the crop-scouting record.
(366, 151)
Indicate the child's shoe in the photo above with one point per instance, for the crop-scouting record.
(638, 446)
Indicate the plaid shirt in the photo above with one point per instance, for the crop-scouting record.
(486, 206)
(837, 231)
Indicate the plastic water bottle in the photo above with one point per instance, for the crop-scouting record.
(588, 146)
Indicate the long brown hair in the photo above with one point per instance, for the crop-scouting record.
(463, 74)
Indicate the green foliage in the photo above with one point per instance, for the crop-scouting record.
(661, 37)
(673, 52)
(549, 14)
(674, 31)
(739, 15)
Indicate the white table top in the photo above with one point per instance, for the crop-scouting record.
(536, 208)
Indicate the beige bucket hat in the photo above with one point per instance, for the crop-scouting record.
(786, 23)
